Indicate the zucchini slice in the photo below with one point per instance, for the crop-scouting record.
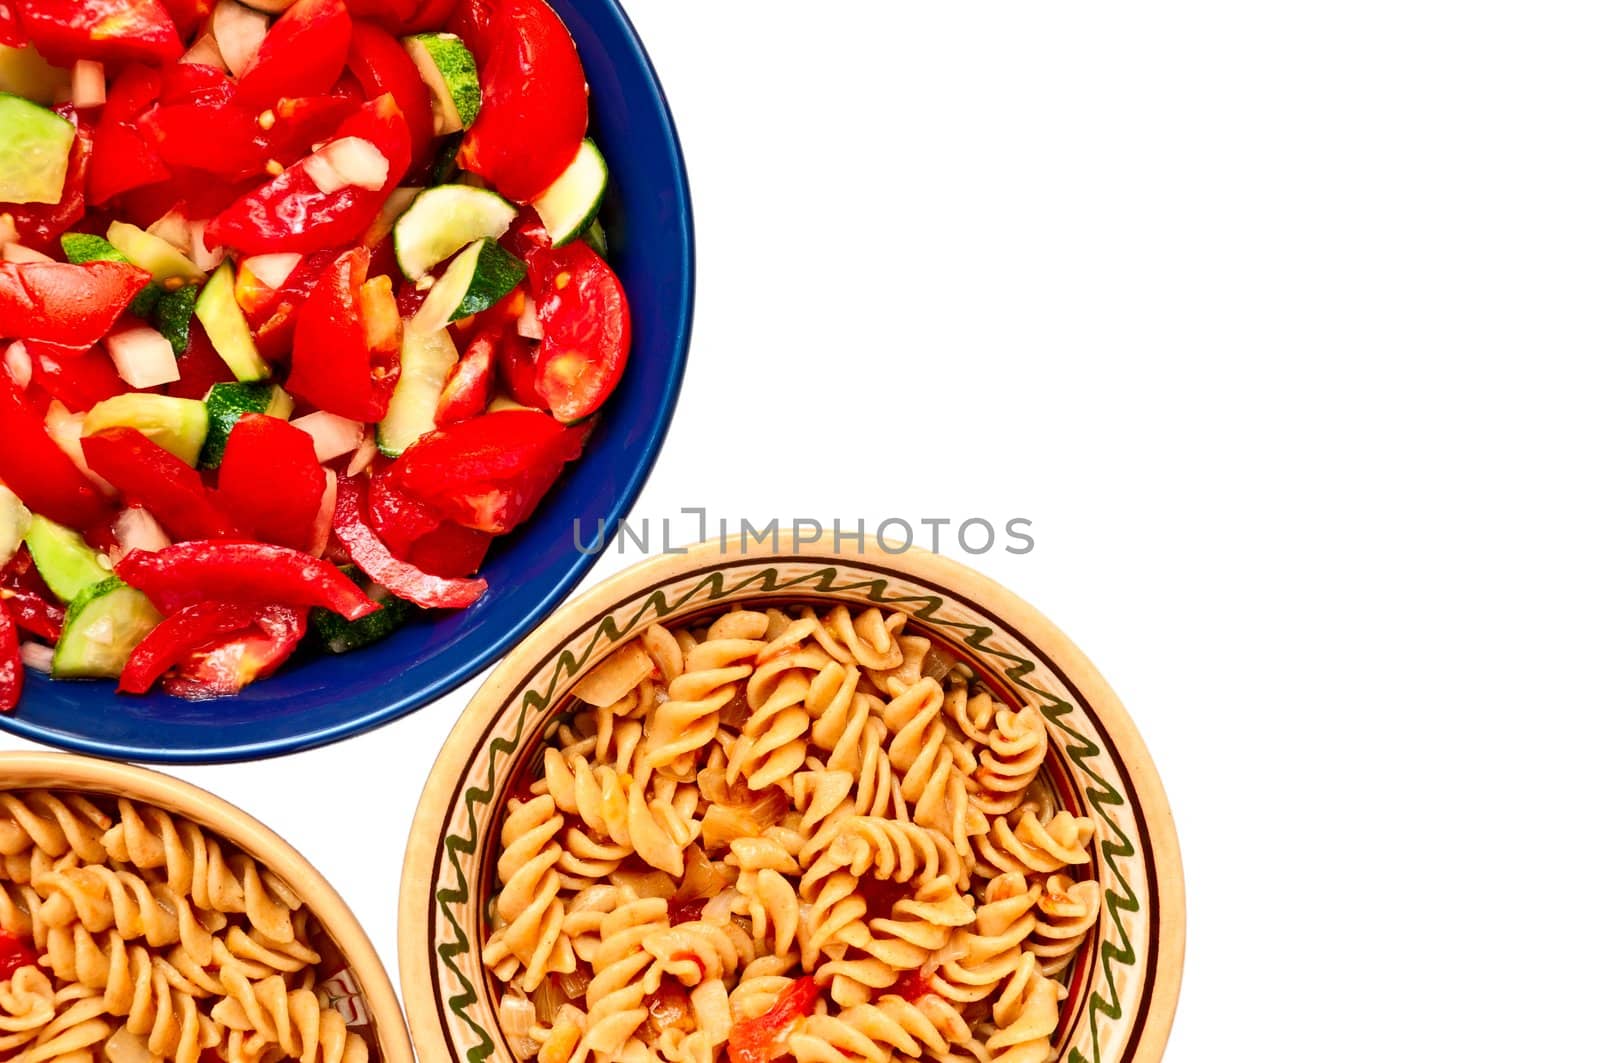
(569, 206)
(443, 220)
(426, 359)
(481, 276)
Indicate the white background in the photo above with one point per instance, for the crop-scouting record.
(1279, 321)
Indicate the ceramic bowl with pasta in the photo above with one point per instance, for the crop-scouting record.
(839, 807)
(142, 919)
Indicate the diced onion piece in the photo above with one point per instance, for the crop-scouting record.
(332, 435)
(8, 230)
(364, 455)
(136, 529)
(143, 356)
(88, 84)
(65, 429)
(204, 52)
(529, 327)
(23, 253)
(38, 656)
(19, 366)
(173, 227)
(200, 253)
(272, 270)
(322, 530)
(239, 32)
(347, 162)
(15, 520)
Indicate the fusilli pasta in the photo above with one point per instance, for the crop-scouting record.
(820, 830)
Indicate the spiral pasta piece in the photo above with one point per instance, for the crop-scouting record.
(56, 826)
(27, 1004)
(1025, 1016)
(1016, 748)
(1036, 846)
(876, 1031)
(687, 721)
(1065, 913)
(981, 956)
(531, 943)
(625, 973)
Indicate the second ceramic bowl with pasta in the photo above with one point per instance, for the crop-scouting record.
(143, 919)
(828, 806)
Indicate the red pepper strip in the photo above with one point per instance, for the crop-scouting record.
(10, 663)
(15, 954)
(193, 83)
(759, 1039)
(450, 550)
(402, 579)
(233, 663)
(242, 572)
(40, 225)
(147, 475)
(124, 158)
(331, 368)
(63, 303)
(290, 213)
(32, 605)
(185, 632)
(488, 473)
(38, 471)
(381, 64)
(535, 102)
(271, 481)
(466, 392)
(65, 31)
(302, 55)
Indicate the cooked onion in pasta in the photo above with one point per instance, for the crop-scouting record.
(788, 834)
(132, 935)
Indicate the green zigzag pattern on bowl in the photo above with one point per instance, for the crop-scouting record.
(1102, 795)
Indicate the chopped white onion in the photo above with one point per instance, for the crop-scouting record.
(143, 356)
(322, 530)
(23, 253)
(364, 455)
(173, 227)
(136, 529)
(199, 252)
(88, 84)
(38, 656)
(529, 327)
(332, 436)
(272, 270)
(238, 31)
(19, 366)
(204, 52)
(347, 162)
(65, 429)
(8, 230)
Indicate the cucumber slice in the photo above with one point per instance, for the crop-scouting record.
(226, 403)
(174, 313)
(84, 247)
(595, 237)
(338, 635)
(445, 168)
(104, 623)
(481, 276)
(451, 74)
(66, 563)
(426, 359)
(152, 254)
(14, 521)
(24, 72)
(570, 205)
(35, 144)
(177, 426)
(445, 219)
(219, 312)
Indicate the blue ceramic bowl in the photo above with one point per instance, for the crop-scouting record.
(317, 700)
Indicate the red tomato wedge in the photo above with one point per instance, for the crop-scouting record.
(404, 16)
(77, 378)
(65, 31)
(587, 333)
(181, 635)
(332, 367)
(125, 158)
(381, 64)
(38, 471)
(147, 475)
(291, 213)
(535, 102)
(62, 303)
(271, 481)
(303, 54)
(10, 694)
(235, 661)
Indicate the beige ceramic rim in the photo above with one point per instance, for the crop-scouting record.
(1133, 1031)
(63, 771)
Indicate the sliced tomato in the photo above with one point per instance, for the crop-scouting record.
(466, 392)
(37, 470)
(65, 31)
(470, 22)
(587, 333)
(146, 475)
(271, 481)
(331, 368)
(189, 15)
(290, 213)
(232, 139)
(450, 551)
(125, 159)
(403, 17)
(76, 377)
(237, 660)
(535, 102)
(198, 368)
(302, 55)
(64, 303)
(273, 313)
(382, 65)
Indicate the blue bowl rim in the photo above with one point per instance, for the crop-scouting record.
(489, 651)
